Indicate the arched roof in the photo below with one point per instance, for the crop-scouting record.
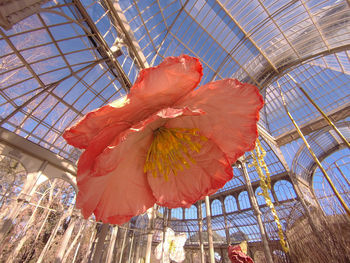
(323, 143)
(67, 58)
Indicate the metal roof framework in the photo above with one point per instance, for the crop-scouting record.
(70, 57)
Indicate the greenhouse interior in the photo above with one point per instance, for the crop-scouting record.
(289, 197)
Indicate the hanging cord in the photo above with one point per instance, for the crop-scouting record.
(265, 184)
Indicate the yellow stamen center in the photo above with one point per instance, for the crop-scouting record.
(171, 150)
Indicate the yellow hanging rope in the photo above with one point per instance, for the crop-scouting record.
(265, 184)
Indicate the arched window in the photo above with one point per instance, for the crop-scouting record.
(55, 193)
(176, 213)
(216, 208)
(337, 167)
(284, 190)
(204, 212)
(161, 210)
(191, 213)
(243, 200)
(260, 198)
(47, 215)
(230, 204)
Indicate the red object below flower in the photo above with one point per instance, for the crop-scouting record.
(164, 143)
(236, 255)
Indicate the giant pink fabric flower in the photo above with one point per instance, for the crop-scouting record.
(164, 143)
(236, 255)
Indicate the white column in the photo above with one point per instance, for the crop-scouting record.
(209, 230)
(101, 236)
(257, 213)
(151, 215)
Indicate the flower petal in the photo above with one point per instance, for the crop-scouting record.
(107, 160)
(122, 111)
(156, 88)
(168, 82)
(232, 111)
(123, 192)
(210, 172)
(96, 147)
(236, 255)
(115, 187)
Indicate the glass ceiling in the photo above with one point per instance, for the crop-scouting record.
(74, 56)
